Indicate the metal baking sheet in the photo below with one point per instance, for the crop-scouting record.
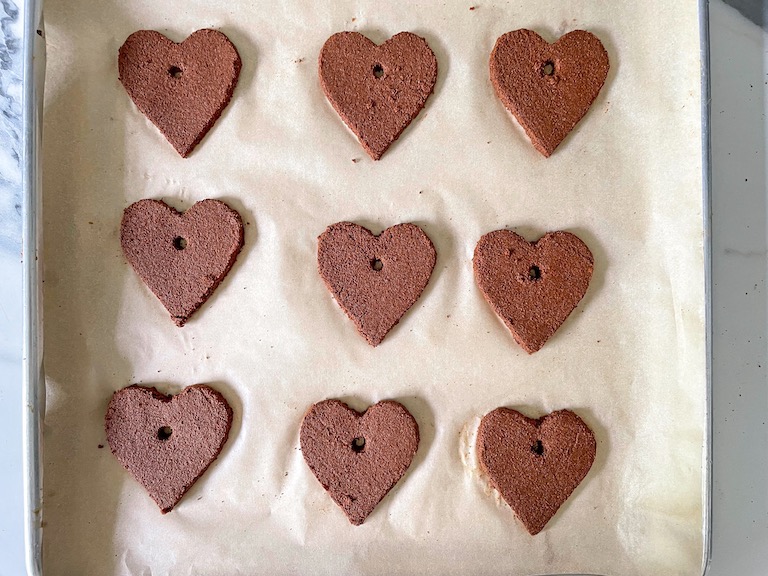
(34, 379)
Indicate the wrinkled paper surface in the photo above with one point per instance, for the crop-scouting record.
(630, 360)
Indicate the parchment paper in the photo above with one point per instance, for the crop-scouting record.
(630, 360)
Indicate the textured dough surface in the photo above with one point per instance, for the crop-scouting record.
(532, 286)
(535, 464)
(167, 443)
(375, 279)
(549, 88)
(182, 258)
(356, 457)
(377, 90)
(181, 87)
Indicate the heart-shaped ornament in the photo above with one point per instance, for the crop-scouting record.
(358, 458)
(535, 464)
(375, 279)
(377, 90)
(532, 286)
(182, 88)
(167, 442)
(182, 258)
(548, 87)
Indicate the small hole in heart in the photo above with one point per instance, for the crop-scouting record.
(548, 68)
(179, 243)
(378, 70)
(377, 264)
(174, 72)
(358, 444)
(534, 273)
(164, 433)
(538, 448)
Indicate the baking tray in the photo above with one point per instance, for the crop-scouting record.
(34, 382)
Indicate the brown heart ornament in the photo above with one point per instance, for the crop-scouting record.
(535, 464)
(375, 279)
(377, 90)
(548, 87)
(532, 286)
(356, 457)
(182, 258)
(167, 442)
(182, 88)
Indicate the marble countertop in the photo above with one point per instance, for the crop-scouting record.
(11, 514)
(739, 53)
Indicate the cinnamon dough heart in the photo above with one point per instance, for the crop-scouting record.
(166, 442)
(535, 464)
(532, 286)
(377, 90)
(358, 458)
(182, 88)
(548, 87)
(375, 279)
(181, 257)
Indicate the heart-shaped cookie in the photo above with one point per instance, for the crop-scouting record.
(181, 257)
(182, 88)
(377, 90)
(548, 87)
(358, 458)
(532, 286)
(166, 442)
(375, 279)
(535, 464)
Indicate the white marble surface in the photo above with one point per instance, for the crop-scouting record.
(739, 88)
(11, 534)
(740, 239)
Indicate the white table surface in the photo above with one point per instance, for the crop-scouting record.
(739, 52)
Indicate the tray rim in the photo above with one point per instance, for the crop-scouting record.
(706, 175)
(33, 381)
